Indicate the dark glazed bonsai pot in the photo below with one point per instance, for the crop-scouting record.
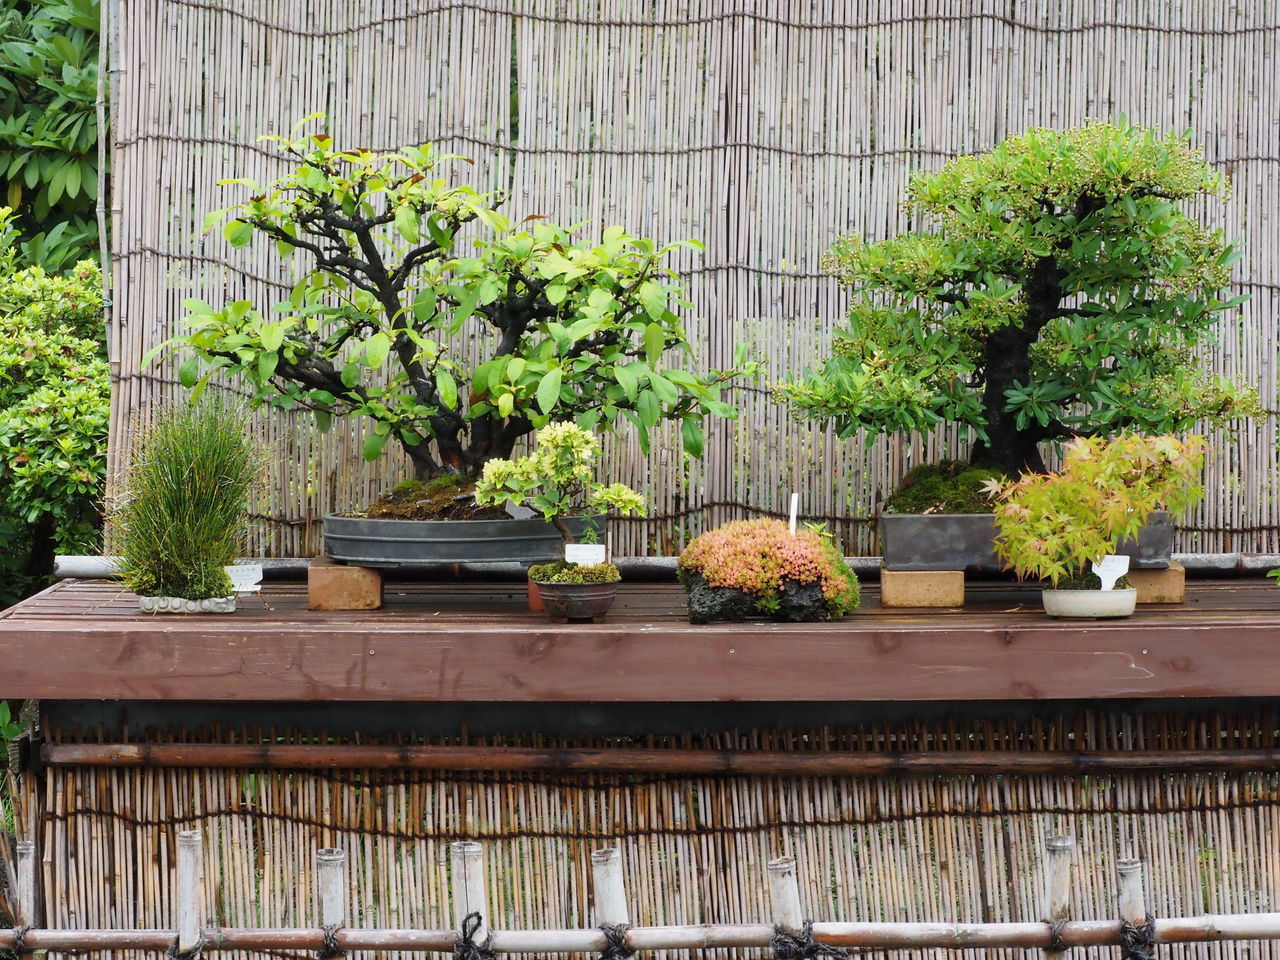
(402, 544)
(577, 602)
(965, 541)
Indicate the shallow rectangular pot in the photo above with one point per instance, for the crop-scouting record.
(966, 541)
(400, 544)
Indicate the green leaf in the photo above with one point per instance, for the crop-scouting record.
(238, 233)
(627, 379)
(407, 222)
(267, 365)
(694, 439)
(654, 342)
(376, 349)
(648, 408)
(373, 445)
(272, 336)
(549, 390)
(447, 388)
(506, 403)
(189, 372)
(424, 306)
(555, 293)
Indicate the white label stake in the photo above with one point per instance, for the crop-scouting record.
(795, 508)
(1110, 569)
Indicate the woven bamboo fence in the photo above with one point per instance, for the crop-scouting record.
(899, 849)
(764, 128)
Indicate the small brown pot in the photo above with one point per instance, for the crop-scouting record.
(577, 602)
(535, 598)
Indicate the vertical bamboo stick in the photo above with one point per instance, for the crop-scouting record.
(189, 850)
(1133, 905)
(331, 879)
(467, 859)
(1059, 853)
(784, 889)
(610, 891)
(26, 883)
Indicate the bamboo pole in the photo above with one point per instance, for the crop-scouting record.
(189, 857)
(287, 756)
(610, 890)
(331, 879)
(784, 890)
(958, 936)
(1057, 881)
(27, 915)
(467, 860)
(1133, 907)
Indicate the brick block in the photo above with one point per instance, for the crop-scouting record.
(336, 586)
(921, 588)
(1160, 586)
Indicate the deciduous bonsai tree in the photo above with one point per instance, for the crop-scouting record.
(453, 348)
(1062, 292)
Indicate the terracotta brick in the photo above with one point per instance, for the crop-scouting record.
(337, 586)
(1160, 586)
(921, 588)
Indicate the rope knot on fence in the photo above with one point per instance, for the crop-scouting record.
(20, 940)
(330, 950)
(789, 945)
(1138, 940)
(1056, 943)
(615, 935)
(173, 953)
(465, 946)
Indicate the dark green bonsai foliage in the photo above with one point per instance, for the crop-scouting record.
(952, 486)
(1064, 292)
(562, 571)
(453, 350)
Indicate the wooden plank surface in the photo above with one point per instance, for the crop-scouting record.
(477, 642)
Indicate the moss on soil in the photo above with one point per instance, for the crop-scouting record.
(444, 498)
(951, 486)
(562, 572)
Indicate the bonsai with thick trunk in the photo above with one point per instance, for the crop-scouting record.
(454, 350)
(1063, 293)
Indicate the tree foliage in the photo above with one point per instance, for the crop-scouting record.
(1063, 292)
(393, 302)
(48, 127)
(54, 395)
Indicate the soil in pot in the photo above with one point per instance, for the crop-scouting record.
(444, 498)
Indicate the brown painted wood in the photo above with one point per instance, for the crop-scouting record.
(639, 760)
(477, 642)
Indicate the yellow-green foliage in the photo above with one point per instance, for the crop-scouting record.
(759, 556)
(1054, 526)
(562, 572)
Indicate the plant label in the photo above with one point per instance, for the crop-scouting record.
(1110, 569)
(587, 554)
(245, 577)
(795, 510)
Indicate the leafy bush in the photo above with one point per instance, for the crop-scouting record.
(389, 308)
(182, 516)
(561, 572)
(951, 486)
(1063, 293)
(48, 126)
(557, 479)
(1054, 526)
(54, 397)
(762, 558)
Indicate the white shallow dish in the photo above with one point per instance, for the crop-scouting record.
(1096, 604)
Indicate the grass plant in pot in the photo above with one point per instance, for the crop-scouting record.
(760, 570)
(557, 480)
(449, 333)
(1055, 527)
(181, 518)
(1062, 287)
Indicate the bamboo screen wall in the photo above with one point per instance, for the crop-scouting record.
(763, 127)
(694, 849)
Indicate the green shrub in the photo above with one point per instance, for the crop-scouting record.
(54, 397)
(49, 128)
(182, 516)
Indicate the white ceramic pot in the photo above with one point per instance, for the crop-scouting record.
(1089, 603)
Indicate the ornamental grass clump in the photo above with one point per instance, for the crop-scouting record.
(183, 514)
(1054, 526)
(750, 569)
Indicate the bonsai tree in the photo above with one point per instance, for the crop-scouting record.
(557, 480)
(1054, 526)
(1062, 292)
(454, 350)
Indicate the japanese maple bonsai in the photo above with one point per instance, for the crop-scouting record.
(557, 479)
(451, 350)
(1061, 292)
(1054, 527)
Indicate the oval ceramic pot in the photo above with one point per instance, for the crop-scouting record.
(577, 602)
(398, 544)
(966, 541)
(182, 605)
(1097, 604)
